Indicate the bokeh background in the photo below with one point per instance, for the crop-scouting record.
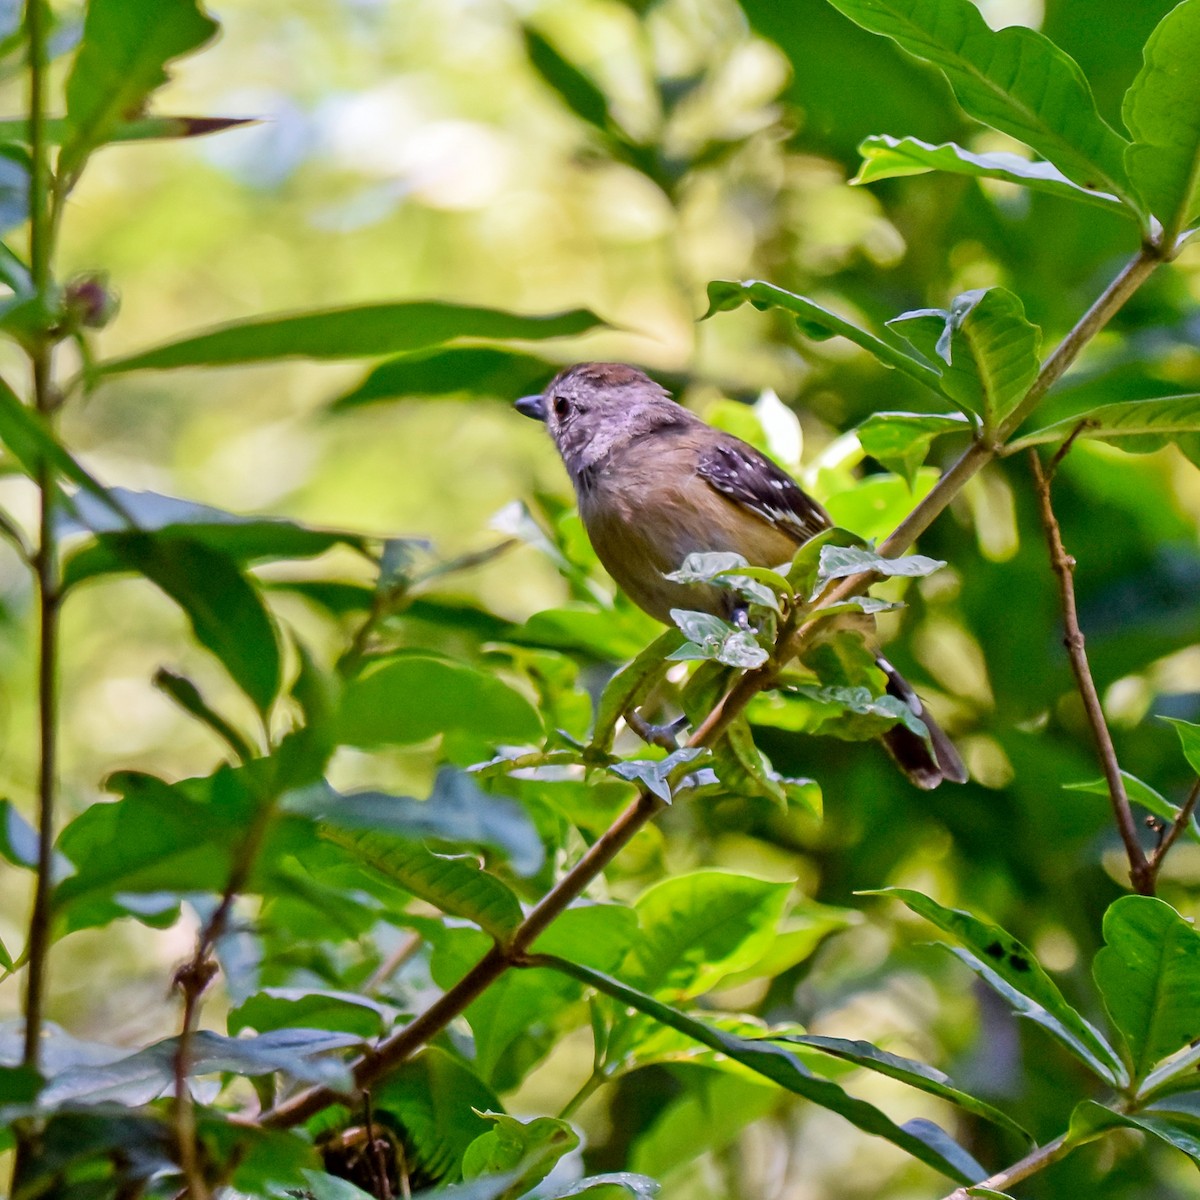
(410, 149)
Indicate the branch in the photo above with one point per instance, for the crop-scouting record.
(1182, 820)
(192, 980)
(1031, 1164)
(377, 1063)
(1140, 874)
(46, 557)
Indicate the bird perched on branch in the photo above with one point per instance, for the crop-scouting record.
(655, 484)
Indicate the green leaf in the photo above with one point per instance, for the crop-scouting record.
(1091, 1120)
(438, 1101)
(120, 62)
(698, 928)
(470, 371)
(1014, 79)
(457, 810)
(907, 1070)
(1140, 793)
(985, 349)
(916, 1138)
(329, 1187)
(363, 331)
(817, 323)
(1162, 111)
(886, 157)
(901, 441)
(518, 1018)
(529, 1148)
(413, 697)
(244, 538)
(158, 838)
(1138, 426)
(640, 1187)
(311, 1008)
(227, 613)
(629, 685)
(1149, 975)
(19, 843)
(840, 562)
(188, 696)
(655, 774)
(1189, 740)
(1006, 965)
(454, 884)
(864, 703)
(26, 435)
(709, 637)
(574, 88)
(139, 1078)
(140, 129)
(756, 585)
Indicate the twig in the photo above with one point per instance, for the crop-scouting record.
(377, 1063)
(1182, 820)
(393, 963)
(1031, 1164)
(1140, 873)
(192, 980)
(46, 557)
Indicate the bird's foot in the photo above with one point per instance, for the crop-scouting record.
(666, 736)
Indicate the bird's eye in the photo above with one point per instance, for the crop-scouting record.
(561, 406)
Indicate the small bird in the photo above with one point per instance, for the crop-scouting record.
(655, 484)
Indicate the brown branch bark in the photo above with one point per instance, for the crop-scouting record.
(1181, 822)
(1037, 1160)
(1063, 565)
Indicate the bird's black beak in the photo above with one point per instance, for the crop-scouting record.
(531, 406)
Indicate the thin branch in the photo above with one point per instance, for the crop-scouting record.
(1182, 820)
(386, 1057)
(1031, 1164)
(192, 980)
(1140, 874)
(46, 557)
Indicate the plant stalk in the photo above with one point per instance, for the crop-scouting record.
(46, 558)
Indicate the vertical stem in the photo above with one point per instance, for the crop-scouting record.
(46, 561)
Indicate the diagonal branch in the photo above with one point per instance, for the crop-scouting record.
(1140, 873)
(1182, 820)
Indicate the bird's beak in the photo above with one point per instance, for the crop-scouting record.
(531, 406)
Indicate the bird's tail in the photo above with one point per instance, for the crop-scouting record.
(926, 763)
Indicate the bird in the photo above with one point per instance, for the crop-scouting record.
(655, 483)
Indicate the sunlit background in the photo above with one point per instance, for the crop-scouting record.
(407, 149)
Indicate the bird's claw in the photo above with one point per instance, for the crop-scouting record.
(665, 736)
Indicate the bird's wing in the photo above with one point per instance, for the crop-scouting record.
(751, 479)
